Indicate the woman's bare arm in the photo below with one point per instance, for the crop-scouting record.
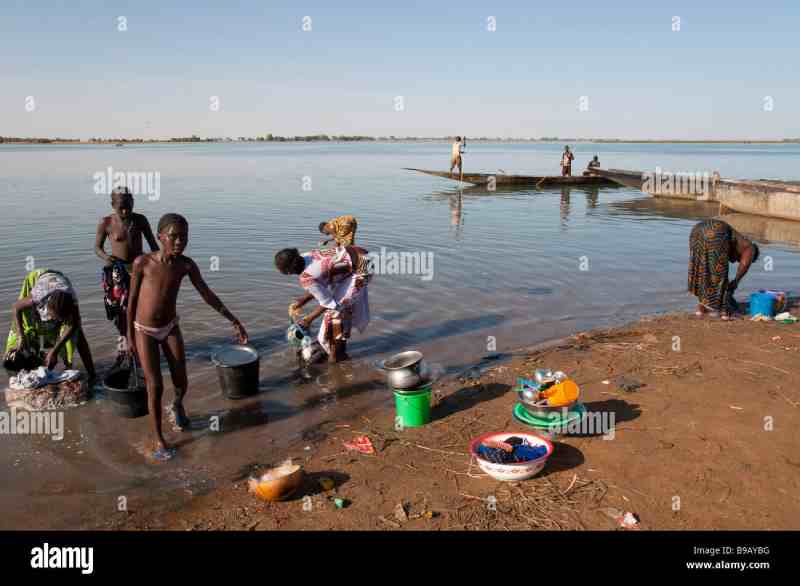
(746, 254)
(73, 324)
(16, 311)
(301, 301)
(100, 241)
(309, 319)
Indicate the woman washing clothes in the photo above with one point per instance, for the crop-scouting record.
(47, 307)
(714, 244)
(338, 280)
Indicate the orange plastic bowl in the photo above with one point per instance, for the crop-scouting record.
(278, 483)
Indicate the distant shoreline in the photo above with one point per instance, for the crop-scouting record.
(341, 139)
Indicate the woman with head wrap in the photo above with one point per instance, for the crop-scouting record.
(47, 307)
(341, 229)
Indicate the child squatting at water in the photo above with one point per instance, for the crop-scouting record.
(153, 321)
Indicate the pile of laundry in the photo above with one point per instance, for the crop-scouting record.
(510, 451)
(44, 389)
(33, 379)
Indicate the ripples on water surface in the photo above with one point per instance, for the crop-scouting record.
(506, 264)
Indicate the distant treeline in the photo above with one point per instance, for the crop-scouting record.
(36, 140)
(309, 138)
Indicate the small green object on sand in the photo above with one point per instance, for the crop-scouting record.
(340, 503)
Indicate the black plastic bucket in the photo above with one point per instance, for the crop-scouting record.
(126, 402)
(238, 370)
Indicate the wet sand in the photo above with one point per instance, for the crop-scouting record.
(707, 443)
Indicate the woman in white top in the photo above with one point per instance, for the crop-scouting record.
(338, 280)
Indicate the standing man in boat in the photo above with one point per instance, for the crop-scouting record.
(566, 162)
(455, 157)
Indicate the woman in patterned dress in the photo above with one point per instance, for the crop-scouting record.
(714, 244)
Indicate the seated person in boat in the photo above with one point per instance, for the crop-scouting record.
(566, 162)
(593, 164)
(714, 244)
(338, 280)
(48, 308)
(341, 229)
(455, 155)
(153, 321)
(125, 229)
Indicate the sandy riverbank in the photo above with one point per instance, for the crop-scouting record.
(708, 442)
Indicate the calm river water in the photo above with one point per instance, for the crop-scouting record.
(509, 267)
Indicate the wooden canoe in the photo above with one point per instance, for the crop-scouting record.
(532, 180)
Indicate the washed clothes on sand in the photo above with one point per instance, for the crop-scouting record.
(33, 379)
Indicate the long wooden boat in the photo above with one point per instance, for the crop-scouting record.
(761, 197)
(532, 180)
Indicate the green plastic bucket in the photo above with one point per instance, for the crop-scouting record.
(413, 408)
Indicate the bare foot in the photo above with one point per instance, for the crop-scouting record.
(163, 452)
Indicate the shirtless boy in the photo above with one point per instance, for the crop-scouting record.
(153, 321)
(125, 230)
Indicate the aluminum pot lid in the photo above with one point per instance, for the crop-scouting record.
(233, 356)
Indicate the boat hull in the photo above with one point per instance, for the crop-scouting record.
(771, 199)
(532, 180)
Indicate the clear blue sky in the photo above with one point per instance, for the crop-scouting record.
(642, 80)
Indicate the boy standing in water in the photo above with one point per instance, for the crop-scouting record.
(153, 321)
(125, 230)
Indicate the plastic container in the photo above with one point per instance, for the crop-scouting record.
(413, 407)
(238, 371)
(554, 424)
(763, 303)
(516, 471)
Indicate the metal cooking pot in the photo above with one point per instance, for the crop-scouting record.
(540, 408)
(406, 370)
(237, 369)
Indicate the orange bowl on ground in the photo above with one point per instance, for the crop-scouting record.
(277, 483)
(562, 394)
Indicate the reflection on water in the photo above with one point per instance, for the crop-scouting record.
(592, 197)
(511, 271)
(663, 207)
(565, 191)
(759, 228)
(456, 218)
(765, 230)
